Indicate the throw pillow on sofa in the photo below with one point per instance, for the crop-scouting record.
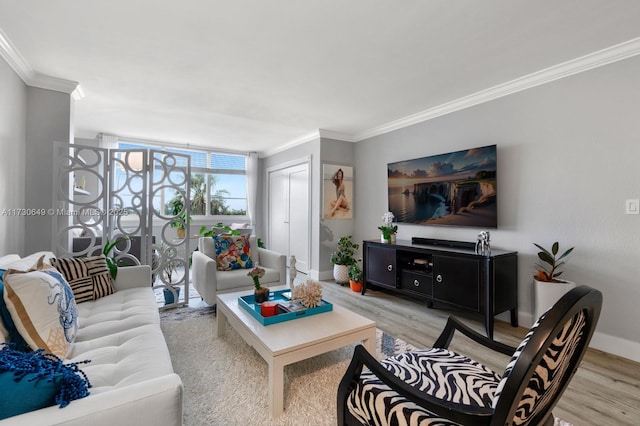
(232, 252)
(88, 277)
(42, 308)
(8, 328)
(77, 275)
(33, 380)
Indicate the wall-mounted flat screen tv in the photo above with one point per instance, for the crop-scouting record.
(455, 189)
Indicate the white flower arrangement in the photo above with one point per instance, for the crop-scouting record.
(388, 229)
(387, 218)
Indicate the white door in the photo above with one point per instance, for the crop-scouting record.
(289, 213)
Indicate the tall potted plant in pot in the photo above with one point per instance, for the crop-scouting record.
(343, 258)
(547, 287)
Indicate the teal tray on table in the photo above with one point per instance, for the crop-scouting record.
(248, 303)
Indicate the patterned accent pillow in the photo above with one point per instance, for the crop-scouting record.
(232, 252)
(99, 271)
(43, 309)
(88, 277)
(77, 275)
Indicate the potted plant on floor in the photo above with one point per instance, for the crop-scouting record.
(343, 258)
(355, 278)
(547, 287)
(260, 294)
(171, 294)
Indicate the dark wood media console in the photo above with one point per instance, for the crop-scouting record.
(447, 272)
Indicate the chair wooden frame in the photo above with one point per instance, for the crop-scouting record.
(581, 298)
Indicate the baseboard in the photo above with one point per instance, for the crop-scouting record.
(603, 342)
(321, 275)
(616, 346)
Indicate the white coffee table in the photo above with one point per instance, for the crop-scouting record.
(292, 341)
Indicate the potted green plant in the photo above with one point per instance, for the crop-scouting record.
(547, 287)
(216, 229)
(170, 270)
(388, 230)
(355, 278)
(112, 262)
(260, 294)
(175, 207)
(343, 258)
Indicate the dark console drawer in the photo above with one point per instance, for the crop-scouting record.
(416, 281)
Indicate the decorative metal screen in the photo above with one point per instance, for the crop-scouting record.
(123, 197)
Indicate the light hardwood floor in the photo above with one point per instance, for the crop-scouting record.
(605, 390)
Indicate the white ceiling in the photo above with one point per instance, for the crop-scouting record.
(257, 75)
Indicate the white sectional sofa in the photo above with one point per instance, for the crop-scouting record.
(130, 370)
(208, 281)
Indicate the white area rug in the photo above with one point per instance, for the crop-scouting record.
(225, 380)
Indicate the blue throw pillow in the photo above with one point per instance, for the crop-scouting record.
(5, 316)
(33, 380)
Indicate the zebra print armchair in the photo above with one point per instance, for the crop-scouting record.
(441, 387)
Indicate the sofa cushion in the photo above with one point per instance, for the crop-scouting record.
(238, 278)
(26, 263)
(123, 310)
(124, 358)
(232, 252)
(121, 335)
(8, 259)
(43, 309)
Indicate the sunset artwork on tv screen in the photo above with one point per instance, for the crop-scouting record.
(457, 189)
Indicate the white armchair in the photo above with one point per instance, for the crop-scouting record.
(208, 281)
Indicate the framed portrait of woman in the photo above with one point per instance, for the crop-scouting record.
(337, 192)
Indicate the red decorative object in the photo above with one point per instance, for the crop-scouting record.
(269, 309)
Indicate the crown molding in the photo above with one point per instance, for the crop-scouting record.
(584, 63)
(315, 135)
(329, 134)
(298, 141)
(14, 58)
(30, 77)
(53, 83)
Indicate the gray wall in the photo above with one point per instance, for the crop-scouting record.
(324, 232)
(13, 107)
(338, 153)
(48, 120)
(568, 155)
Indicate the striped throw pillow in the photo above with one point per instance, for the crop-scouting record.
(88, 277)
(76, 273)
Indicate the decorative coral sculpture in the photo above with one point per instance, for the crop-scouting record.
(309, 293)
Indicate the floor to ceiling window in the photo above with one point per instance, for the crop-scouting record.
(218, 183)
